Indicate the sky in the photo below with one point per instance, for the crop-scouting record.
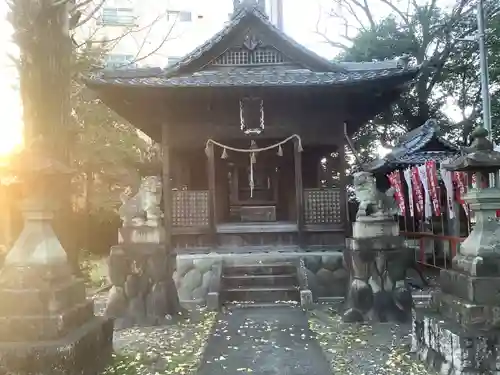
(301, 22)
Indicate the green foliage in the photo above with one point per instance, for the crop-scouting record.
(106, 147)
(449, 66)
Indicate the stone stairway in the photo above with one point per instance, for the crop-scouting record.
(257, 284)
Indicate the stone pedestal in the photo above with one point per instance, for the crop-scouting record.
(460, 330)
(377, 262)
(47, 326)
(459, 333)
(139, 275)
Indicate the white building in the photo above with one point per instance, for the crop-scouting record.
(158, 33)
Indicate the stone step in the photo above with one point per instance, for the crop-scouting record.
(261, 294)
(260, 269)
(238, 281)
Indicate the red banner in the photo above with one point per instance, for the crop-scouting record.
(461, 180)
(418, 192)
(395, 180)
(431, 170)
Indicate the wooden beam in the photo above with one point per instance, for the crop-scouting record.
(212, 201)
(299, 191)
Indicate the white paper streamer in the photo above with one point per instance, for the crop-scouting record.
(422, 173)
(447, 177)
(407, 175)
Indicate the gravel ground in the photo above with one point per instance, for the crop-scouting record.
(263, 341)
(171, 349)
(378, 349)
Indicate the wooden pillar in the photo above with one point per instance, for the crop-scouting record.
(212, 204)
(167, 193)
(299, 191)
(344, 199)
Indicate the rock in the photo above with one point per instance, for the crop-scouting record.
(137, 310)
(176, 279)
(199, 294)
(192, 280)
(341, 274)
(156, 301)
(337, 289)
(157, 267)
(207, 279)
(144, 283)
(183, 266)
(118, 266)
(117, 303)
(312, 263)
(325, 277)
(184, 294)
(132, 286)
(353, 316)
(205, 264)
(332, 261)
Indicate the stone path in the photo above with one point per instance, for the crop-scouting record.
(263, 341)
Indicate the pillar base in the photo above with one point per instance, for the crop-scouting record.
(377, 262)
(378, 291)
(450, 348)
(47, 326)
(84, 351)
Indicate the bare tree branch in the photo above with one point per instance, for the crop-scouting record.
(91, 14)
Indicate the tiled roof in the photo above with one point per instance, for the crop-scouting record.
(410, 149)
(251, 77)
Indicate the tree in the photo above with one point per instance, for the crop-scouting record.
(76, 128)
(431, 35)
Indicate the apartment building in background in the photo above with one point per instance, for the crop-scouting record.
(142, 33)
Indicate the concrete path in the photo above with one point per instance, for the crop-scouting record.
(263, 341)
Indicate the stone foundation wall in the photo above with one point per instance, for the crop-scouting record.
(326, 275)
(193, 276)
(140, 286)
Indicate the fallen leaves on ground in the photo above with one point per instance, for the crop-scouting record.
(174, 349)
(365, 349)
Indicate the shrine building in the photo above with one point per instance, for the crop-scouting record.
(253, 129)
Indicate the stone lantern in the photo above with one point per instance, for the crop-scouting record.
(460, 331)
(47, 325)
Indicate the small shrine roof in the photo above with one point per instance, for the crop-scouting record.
(416, 147)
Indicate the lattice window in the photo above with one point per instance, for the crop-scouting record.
(322, 206)
(190, 209)
(259, 56)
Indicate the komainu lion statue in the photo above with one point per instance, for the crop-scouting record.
(371, 200)
(143, 208)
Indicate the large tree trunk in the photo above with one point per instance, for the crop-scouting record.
(41, 31)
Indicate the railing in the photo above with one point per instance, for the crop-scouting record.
(433, 250)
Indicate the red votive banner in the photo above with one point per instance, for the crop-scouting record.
(418, 192)
(432, 179)
(395, 181)
(460, 179)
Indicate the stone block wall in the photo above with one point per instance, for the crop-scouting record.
(193, 276)
(326, 274)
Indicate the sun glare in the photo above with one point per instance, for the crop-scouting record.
(11, 128)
